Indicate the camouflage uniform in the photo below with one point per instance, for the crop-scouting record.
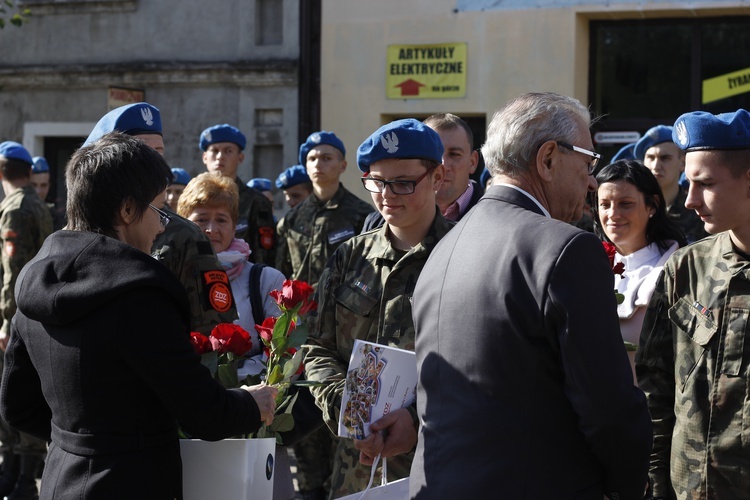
(693, 363)
(25, 222)
(311, 232)
(256, 225)
(188, 253)
(364, 293)
(687, 220)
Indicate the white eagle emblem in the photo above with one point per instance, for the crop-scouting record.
(682, 134)
(207, 136)
(147, 116)
(315, 138)
(389, 142)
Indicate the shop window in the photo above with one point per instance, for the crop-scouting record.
(649, 72)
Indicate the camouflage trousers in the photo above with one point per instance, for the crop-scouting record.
(315, 460)
(350, 476)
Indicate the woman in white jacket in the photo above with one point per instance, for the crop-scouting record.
(631, 214)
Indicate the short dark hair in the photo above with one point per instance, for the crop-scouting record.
(14, 168)
(736, 160)
(449, 121)
(102, 176)
(660, 228)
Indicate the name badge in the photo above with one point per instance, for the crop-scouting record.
(340, 235)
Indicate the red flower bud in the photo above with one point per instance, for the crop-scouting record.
(200, 342)
(228, 337)
(292, 294)
(266, 329)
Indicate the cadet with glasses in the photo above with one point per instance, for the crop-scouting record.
(366, 289)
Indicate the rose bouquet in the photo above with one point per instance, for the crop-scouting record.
(282, 339)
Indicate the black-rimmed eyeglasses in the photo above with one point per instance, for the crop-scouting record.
(164, 218)
(595, 156)
(397, 187)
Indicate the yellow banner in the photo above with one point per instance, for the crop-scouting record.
(727, 85)
(426, 71)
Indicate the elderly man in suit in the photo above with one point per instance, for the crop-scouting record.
(525, 389)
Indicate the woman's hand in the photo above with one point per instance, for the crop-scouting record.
(265, 398)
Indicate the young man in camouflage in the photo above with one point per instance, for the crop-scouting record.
(25, 222)
(692, 361)
(182, 247)
(311, 232)
(366, 289)
(223, 147)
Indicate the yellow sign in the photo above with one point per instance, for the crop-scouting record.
(426, 71)
(727, 85)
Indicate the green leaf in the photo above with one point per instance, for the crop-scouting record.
(298, 336)
(629, 346)
(228, 375)
(275, 376)
(282, 423)
(211, 361)
(281, 327)
(291, 366)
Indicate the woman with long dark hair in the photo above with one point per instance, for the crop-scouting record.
(630, 212)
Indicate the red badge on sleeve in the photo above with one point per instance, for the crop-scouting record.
(219, 293)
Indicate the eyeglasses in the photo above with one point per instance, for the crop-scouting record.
(397, 187)
(595, 156)
(163, 217)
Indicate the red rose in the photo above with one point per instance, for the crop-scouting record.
(200, 343)
(619, 268)
(611, 251)
(266, 329)
(228, 337)
(292, 294)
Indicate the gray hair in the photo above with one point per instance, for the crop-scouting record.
(520, 127)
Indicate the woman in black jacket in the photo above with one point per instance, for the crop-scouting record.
(100, 362)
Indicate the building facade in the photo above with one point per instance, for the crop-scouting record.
(635, 63)
(234, 61)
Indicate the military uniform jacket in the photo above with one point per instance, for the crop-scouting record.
(693, 364)
(187, 252)
(687, 220)
(25, 222)
(256, 225)
(311, 232)
(365, 293)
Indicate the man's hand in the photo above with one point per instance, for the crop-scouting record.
(3, 341)
(392, 435)
(265, 398)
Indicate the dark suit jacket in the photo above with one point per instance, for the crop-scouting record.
(525, 389)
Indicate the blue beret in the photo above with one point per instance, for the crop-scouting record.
(702, 130)
(132, 119)
(15, 151)
(260, 183)
(625, 153)
(316, 139)
(654, 135)
(407, 138)
(292, 176)
(180, 176)
(39, 165)
(222, 133)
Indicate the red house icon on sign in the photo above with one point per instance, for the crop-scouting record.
(410, 87)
